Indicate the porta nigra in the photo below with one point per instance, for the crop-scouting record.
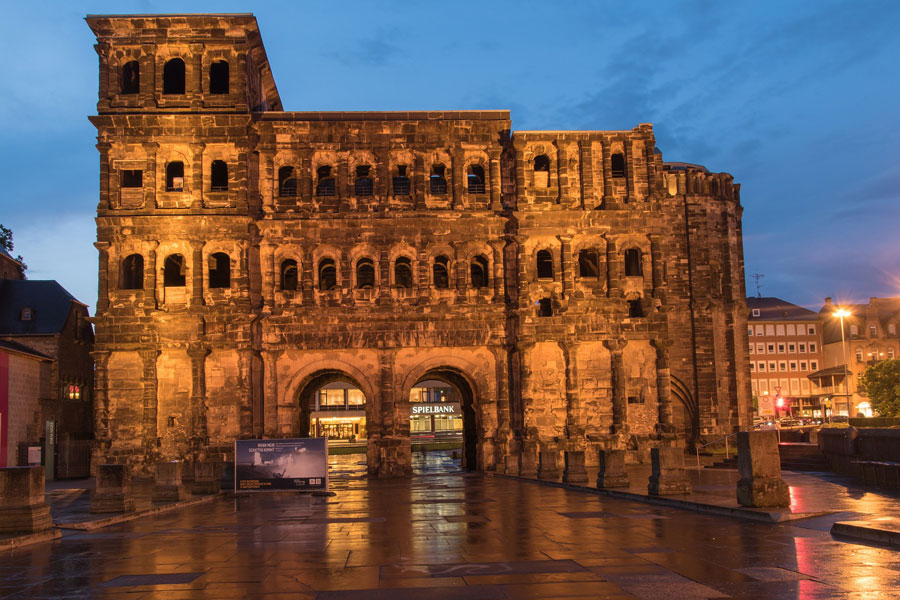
(269, 274)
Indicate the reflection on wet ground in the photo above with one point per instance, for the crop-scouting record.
(446, 534)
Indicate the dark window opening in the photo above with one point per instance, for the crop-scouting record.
(26, 314)
(633, 266)
(437, 181)
(365, 273)
(479, 272)
(175, 176)
(401, 182)
(635, 400)
(363, 186)
(218, 77)
(542, 171)
(132, 178)
(131, 77)
(441, 272)
(173, 77)
(476, 179)
(618, 165)
(403, 273)
(218, 176)
(325, 185)
(327, 274)
(635, 308)
(544, 264)
(287, 182)
(588, 263)
(173, 271)
(133, 272)
(545, 307)
(289, 277)
(219, 270)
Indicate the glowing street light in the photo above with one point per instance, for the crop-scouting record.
(840, 314)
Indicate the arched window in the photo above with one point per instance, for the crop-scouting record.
(635, 308)
(131, 77)
(441, 272)
(437, 182)
(618, 164)
(132, 273)
(218, 77)
(175, 176)
(476, 179)
(173, 271)
(173, 77)
(403, 272)
(363, 185)
(131, 178)
(541, 171)
(365, 273)
(633, 267)
(401, 181)
(218, 176)
(289, 275)
(544, 264)
(327, 274)
(219, 270)
(478, 272)
(287, 182)
(325, 183)
(545, 307)
(588, 263)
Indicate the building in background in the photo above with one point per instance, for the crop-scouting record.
(24, 386)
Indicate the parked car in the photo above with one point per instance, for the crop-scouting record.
(790, 423)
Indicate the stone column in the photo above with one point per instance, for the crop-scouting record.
(150, 383)
(548, 464)
(149, 184)
(307, 282)
(457, 178)
(382, 177)
(419, 182)
(194, 76)
(346, 201)
(151, 292)
(607, 179)
(587, 174)
(575, 471)
(169, 486)
(663, 387)
(566, 265)
(207, 475)
(759, 464)
(574, 425)
(113, 492)
(668, 476)
(101, 399)
(197, 273)
(562, 169)
(494, 176)
(612, 473)
(199, 432)
(269, 275)
(619, 400)
(22, 506)
(270, 392)
(104, 275)
(195, 188)
(305, 175)
(497, 275)
(615, 270)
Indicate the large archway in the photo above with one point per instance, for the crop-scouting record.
(443, 407)
(332, 404)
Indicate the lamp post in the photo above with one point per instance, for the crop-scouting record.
(840, 314)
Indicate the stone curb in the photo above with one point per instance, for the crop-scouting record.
(123, 517)
(866, 531)
(31, 538)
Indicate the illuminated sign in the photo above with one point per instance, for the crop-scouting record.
(285, 464)
(437, 408)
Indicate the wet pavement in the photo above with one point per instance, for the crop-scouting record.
(445, 534)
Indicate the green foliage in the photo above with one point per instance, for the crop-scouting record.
(881, 383)
(6, 242)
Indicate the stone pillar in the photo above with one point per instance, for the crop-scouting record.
(101, 399)
(305, 175)
(269, 275)
(199, 433)
(574, 426)
(562, 170)
(150, 383)
(197, 274)
(497, 272)
(207, 476)
(586, 161)
(494, 177)
(528, 465)
(575, 471)
(419, 182)
(566, 265)
(548, 464)
(759, 464)
(394, 448)
(612, 472)
(150, 149)
(169, 486)
(663, 387)
(457, 178)
(607, 179)
(619, 400)
(151, 292)
(669, 476)
(270, 393)
(113, 491)
(22, 506)
(106, 195)
(106, 272)
(615, 271)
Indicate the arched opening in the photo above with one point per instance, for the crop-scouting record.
(544, 264)
(219, 270)
(327, 274)
(403, 272)
(401, 181)
(618, 165)
(173, 77)
(589, 263)
(175, 176)
(287, 182)
(437, 181)
(442, 410)
(478, 272)
(132, 273)
(289, 275)
(633, 267)
(365, 273)
(541, 171)
(332, 405)
(131, 77)
(218, 77)
(476, 179)
(218, 176)
(363, 186)
(441, 272)
(174, 271)
(325, 182)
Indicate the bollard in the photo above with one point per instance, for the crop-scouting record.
(169, 486)
(574, 471)
(669, 476)
(206, 478)
(113, 490)
(22, 506)
(612, 472)
(759, 464)
(548, 464)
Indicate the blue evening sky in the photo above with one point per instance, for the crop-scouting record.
(800, 101)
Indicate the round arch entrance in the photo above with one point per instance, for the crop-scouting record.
(442, 407)
(333, 405)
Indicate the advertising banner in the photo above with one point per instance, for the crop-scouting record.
(766, 406)
(271, 465)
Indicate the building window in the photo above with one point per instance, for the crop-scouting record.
(813, 365)
(761, 366)
(618, 164)
(589, 264)
(219, 270)
(750, 331)
(751, 347)
(802, 347)
(772, 367)
(780, 348)
(635, 309)
(218, 77)
(475, 179)
(759, 328)
(633, 267)
(401, 181)
(890, 353)
(218, 176)
(635, 400)
(173, 77)
(803, 365)
(792, 348)
(363, 186)
(771, 348)
(859, 355)
(132, 272)
(790, 330)
(854, 330)
(365, 273)
(289, 278)
(545, 307)
(478, 272)
(541, 171)
(287, 182)
(325, 185)
(131, 77)
(873, 331)
(174, 271)
(327, 274)
(437, 182)
(25, 314)
(760, 348)
(752, 367)
(132, 178)
(175, 176)
(812, 346)
(441, 272)
(755, 312)
(782, 366)
(403, 272)
(812, 330)
(544, 264)
(793, 365)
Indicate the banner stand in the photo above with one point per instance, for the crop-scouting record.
(281, 465)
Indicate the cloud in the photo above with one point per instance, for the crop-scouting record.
(370, 52)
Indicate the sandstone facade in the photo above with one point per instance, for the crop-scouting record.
(577, 291)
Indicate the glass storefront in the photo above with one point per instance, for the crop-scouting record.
(338, 412)
(435, 410)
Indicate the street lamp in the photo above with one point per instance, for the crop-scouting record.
(840, 314)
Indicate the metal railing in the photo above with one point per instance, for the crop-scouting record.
(725, 439)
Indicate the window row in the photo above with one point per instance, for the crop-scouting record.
(798, 386)
(779, 329)
(876, 354)
(873, 329)
(589, 263)
(784, 366)
(541, 168)
(174, 77)
(789, 348)
(131, 276)
(364, 183)
(218, 177)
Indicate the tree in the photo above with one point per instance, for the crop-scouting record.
(6, 242)
(881, 382)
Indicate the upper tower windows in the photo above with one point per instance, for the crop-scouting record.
(633, 266)
(618, 165)
(218, 176)
(437, 180)
(541, 171)
(173, 77)
(544, 264)
(325, 185)
(476, 179)
(287, 182)
(131, 77)
(401, 181)
(363, 186)
(218, 77)
(175, 176)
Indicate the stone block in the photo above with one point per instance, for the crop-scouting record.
(548, 464)
(22, 506)
(759, 465)
(169, 486)
(206, 477)
(511, 464)
(528, 461)
(574, 471)
(113, 491)
(668, 475)
(612, 472)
